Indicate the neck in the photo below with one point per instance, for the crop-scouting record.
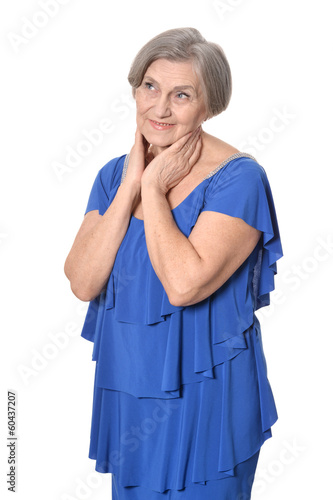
(156, 150)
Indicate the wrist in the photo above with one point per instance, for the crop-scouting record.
(151, 182)
(131, 191)
(152, 188)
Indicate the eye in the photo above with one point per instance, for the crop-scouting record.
(148, 85)
(182, 95)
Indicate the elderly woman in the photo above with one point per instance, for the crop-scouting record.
(176, 252)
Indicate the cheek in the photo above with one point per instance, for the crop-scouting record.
(190, 114)
(189, 120)
(142, 103)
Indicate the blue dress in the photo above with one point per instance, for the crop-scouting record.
(182, 402)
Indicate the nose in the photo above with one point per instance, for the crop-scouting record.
(162, 107)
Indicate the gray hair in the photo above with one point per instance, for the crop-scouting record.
(187, 44)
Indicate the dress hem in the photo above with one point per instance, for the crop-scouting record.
(189, 483)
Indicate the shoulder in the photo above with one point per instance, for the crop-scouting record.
(245, 166)
(216, 150)
(241, 170)
(227, 160)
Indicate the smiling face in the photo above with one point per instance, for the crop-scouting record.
(170, 102)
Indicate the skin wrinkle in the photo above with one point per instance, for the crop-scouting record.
(218, 244)
(161, 104)
(190, 269)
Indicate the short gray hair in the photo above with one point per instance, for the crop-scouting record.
(187, 44)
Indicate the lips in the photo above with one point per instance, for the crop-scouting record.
(161, 125)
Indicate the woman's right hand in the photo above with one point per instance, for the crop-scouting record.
(138, 160)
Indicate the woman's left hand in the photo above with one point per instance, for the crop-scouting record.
(168, 168)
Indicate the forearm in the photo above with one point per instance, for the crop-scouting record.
(173, 257)
(90, 261)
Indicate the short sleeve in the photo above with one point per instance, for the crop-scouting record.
(98, 199)
(105, 186)
(101, 195)
(241, 189)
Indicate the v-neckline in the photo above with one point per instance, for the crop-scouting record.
(179, 204)
(210, 174)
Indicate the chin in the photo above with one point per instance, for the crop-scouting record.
(155, 140)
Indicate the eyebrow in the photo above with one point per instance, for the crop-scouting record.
(178, 87)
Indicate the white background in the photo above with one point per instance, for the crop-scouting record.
(62, 79)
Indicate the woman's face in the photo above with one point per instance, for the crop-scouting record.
(169, 102)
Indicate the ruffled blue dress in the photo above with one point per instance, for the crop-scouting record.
(182, 402)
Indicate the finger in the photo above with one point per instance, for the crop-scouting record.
(179, 144)
(139, 138)
(137, 133)
(191, 142)
(146, 145)
(189, 147)
(192, 159)
(196, 153)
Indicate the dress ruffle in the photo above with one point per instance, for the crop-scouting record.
(204, 434)
(207, 356)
